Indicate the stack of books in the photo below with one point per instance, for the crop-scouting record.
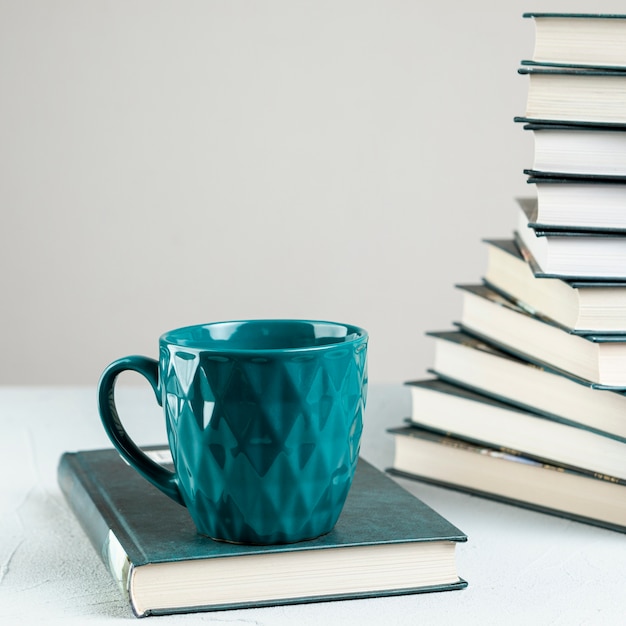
(527, 404)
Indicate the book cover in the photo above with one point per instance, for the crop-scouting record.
(467, 361)
(508, 478)
(570, 150)
(459, 412)
(569, 126)
(539, 176)
(573, 94)
(579, 40)
(573, 124)
(590, 206)
(585, 308)
(151, 547)
(577, 282)
(598, 359)
(593, 255)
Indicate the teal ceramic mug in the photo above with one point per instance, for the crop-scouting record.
(263, 418)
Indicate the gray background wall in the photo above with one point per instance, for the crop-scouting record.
(169, 163)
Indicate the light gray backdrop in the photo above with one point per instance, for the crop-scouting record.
(164, 163)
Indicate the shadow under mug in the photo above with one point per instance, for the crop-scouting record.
(264, 421)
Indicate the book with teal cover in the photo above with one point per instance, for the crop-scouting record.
(593, 40)
(599, 359)
(573, 95)
(532, 123)
(574, 281)
(508, 477)
(590, 307)
(469, 362)
(571, 254)
(535, 176)
(447, 408)
(515, 248)
(396, 543)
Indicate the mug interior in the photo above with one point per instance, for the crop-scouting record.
(264, 335)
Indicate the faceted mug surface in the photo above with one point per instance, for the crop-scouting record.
(264, 421)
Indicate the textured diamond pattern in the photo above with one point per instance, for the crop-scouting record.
(273, 442)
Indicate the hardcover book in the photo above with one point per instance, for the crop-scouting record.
(450, 409)
(575, 95)
(509, 477)
(581, 203)
(562, 149)
(479, 366)
(584, 307)
(386, 542)
(599, 359)
(591, 255)
(579, 39)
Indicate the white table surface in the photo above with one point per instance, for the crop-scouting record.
(522, 567)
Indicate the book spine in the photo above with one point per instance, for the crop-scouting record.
(83, 497)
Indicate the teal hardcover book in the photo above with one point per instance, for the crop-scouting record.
(598, 359)
(575, 95)
(386, 542)
(569, 254)
(564, 178)
(585, 308)
(595, 40)
(452, 409)
(508, 477)
(469, 362)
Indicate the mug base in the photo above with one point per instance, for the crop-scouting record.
(261, 543)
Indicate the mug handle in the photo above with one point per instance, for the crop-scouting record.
(156, 474)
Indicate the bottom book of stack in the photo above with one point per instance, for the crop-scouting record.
(386, 542)
(506, 475)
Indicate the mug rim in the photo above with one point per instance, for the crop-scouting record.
(360, 335)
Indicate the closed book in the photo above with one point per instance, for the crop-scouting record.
(579, 39)
(592, 255)
(584, 307)
(450, 409)
(575, 95)
(508, 477)
(480, 366)
(386, 542)
(599, 359)
(562, 149)
(578, 203)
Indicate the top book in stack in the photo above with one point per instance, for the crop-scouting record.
(578, 70)
(592, 40)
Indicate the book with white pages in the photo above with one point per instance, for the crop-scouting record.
(578, 203)
(578, 150)
(591, 255)
(480, 366)
(454, 410)
(584, 307)
(599, 359)
(596, 40)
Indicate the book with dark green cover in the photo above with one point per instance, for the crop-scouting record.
(539, 176)
(595, 96)
(570, 254)
(386, 542)
(452, 409)
(573, 281)
(579, 40)
(508, 477)
(599, 359)
(469, 362)
(590, 307)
